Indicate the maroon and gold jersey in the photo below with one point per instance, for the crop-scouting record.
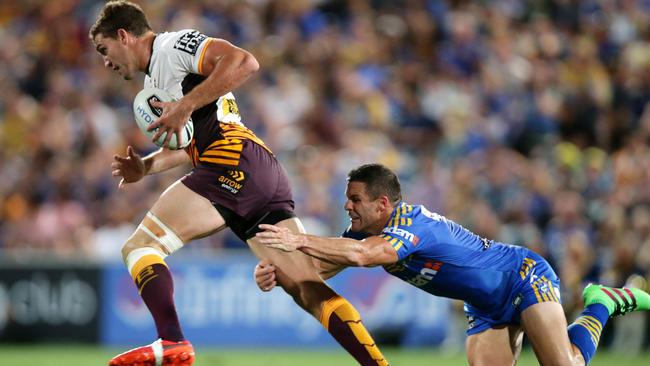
(175, 66)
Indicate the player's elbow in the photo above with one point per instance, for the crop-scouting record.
(360, 258)
(249, 64)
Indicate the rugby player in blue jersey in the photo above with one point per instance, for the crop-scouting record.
(508, 290)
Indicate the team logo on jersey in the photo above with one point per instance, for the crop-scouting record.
(486, 243)
(233, 182)
(189, 42)
(426, 274)
(403, 233)
(471, 321)
(229, 106)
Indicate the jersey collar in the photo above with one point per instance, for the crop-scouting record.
(151, 55)
(395, 212)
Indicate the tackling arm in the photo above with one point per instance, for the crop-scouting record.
(369, 252)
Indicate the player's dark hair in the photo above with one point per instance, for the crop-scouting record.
(379, 181)
(120, 14)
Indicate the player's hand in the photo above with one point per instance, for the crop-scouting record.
(175, 115)
(278, 238)
(130, 167)
(265, 275)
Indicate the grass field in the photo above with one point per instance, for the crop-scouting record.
(73, 355)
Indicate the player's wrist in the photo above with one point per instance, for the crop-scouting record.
(147, 164)
(302, 242)
(189, 104)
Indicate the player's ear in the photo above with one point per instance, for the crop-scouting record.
(122, 35)
(384, 203)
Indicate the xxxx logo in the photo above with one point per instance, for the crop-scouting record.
(230, 106)
(237, 175)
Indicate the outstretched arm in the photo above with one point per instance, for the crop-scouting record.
(226, 68)
(369, 252)
(133, 167)
(265, 273)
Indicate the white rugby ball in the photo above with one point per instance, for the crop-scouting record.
(146, 114)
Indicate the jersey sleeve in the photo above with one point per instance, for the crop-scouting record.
(189, 49)
(402, 238)
(186, 53)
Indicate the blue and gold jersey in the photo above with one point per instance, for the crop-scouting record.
(443, 258)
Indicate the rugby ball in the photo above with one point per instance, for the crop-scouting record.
(145, 114)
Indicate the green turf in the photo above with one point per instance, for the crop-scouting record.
(73, 355)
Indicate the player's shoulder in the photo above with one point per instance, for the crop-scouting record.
(406, 214)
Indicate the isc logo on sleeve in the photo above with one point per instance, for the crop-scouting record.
(189, 42)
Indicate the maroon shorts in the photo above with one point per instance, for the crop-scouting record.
(255, 191)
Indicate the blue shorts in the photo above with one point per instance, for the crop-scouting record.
(534, 283)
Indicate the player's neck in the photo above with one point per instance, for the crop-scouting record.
(380, 224)
(144, 50)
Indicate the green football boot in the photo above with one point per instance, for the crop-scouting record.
(618, 301)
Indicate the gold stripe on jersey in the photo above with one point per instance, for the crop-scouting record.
(192, 152)
(225, 142)
(221, 161)
(525, 267)
(235, 130)
(395, 221)
(406, 209)
(537, 295)
(551, 292)
(205, 48)
(234, 147)
(406, 221)
(398, 245)
(220, 153)
(226, 151)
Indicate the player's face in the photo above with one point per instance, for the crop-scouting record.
(116, 56)
(365, 214)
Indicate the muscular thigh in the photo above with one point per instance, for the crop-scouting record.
(495, 346)
(187, 213)
(546, 328)
(291, 266)
(296, 272)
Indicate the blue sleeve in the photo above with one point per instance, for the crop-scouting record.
(402, 238)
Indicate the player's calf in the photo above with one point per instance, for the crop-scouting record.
(601, 303)
(343, 322)
(144, 254)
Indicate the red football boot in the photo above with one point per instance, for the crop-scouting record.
(159, 353)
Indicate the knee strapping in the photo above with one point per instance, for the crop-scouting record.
(160, 233)
(150, 244)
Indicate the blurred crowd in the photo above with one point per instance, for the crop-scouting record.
(526, 121)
